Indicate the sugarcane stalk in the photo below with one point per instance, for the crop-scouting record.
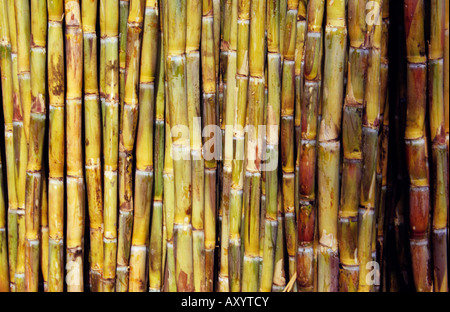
(283, 12)
(168, 174)
(127, 136)
(252, 182)
(209, 89)
(22, 18)
(370, 129)
(196, 30)
(299, 65)
(329, 144)
(416, 149)
(446, 82)
(17, 131)
(229, 46)
(234, 151)
(92, 144)
(225, 13)
(56, 154)
(272, 143)
(111, 142)
(156, 256)
(7, 97)
(352, 147)
(124, 8)
(177, 90)
(144, 150)
(102, 69)
(279, 274)
(44, 239)
(74, 168)
(36, 144)
(287, 132)
(383, 138)
(305, 214)
(439, 149)
(4, 267)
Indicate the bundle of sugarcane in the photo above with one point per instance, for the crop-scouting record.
(224, 145)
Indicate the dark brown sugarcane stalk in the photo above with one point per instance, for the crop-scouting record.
(416, 146)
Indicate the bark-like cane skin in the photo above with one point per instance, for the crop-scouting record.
(416, 148)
